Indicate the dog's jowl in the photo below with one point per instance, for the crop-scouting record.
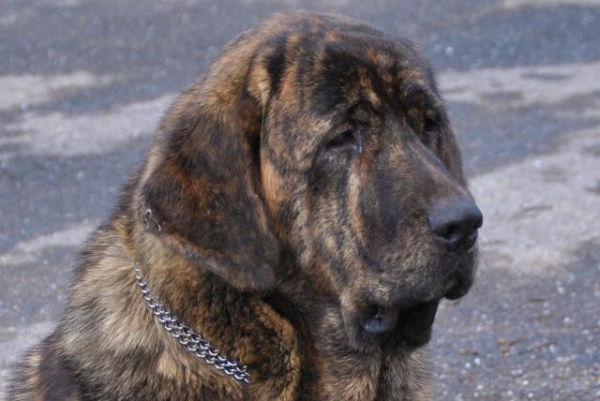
(301, 214)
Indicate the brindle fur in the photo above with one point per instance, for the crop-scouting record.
(269, 243)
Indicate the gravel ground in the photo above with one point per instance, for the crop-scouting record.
(84, 83)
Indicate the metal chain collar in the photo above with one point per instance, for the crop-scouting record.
(187, 337)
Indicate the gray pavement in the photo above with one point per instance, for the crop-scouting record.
(83, 84)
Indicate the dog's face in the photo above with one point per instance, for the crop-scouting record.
(350, 167)
(358, 154)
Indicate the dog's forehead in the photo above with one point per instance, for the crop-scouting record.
(322, 66)
(329, 66)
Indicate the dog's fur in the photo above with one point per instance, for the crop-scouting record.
(286, 195)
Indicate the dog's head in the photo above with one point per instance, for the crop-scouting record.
(319, 138)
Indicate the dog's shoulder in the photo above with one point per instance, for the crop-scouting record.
(44, 374)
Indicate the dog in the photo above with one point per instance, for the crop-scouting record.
(298, 219)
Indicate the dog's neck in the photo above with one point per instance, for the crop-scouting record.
(286, 331)
(188, 337)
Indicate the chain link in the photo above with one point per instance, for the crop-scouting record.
(188, 338)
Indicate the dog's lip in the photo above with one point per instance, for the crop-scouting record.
(380, 320)
(409, 321)
(456, 292)
(422, 313)
(459, 287)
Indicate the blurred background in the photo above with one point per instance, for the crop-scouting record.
(84, 83)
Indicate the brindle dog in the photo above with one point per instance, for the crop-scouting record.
(303, 208)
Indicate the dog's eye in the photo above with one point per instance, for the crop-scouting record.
(431, 126)
(430, 131)
(345, 141)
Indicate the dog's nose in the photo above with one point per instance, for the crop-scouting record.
(455, 224)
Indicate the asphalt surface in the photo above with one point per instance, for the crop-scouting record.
(84, 83)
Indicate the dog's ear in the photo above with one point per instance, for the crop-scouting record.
(201, 191)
